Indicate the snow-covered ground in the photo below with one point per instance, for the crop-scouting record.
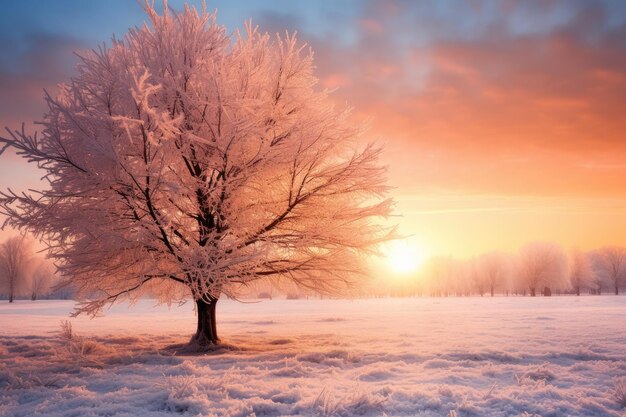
(558, 356)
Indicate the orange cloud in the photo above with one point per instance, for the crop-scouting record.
(515, 113)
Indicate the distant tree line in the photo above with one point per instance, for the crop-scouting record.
(538, 268)
(26, 274)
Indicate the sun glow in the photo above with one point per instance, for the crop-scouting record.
(404, 257)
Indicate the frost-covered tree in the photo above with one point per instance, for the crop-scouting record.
(613, 264)
(41, 280)
(15, 255)
(542, 264)
(461, 282)
(597, 266)
(441, 274)
(581, 274)
(181, 157)
(476, 276)
(493, 268)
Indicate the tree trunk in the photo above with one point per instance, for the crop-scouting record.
(11, 298)
(547, 292)
(206, 333)
(33, 297)
(532, 292)
(577, 290)
(492, 291)
(616, 290)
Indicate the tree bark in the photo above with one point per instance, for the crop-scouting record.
(206, 332)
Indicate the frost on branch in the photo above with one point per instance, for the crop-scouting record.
(183, 160)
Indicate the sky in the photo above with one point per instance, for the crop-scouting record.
(503, 121)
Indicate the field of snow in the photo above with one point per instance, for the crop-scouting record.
(558, 356)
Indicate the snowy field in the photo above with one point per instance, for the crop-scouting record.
(558, 356)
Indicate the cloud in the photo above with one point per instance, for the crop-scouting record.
(27, 67)
(278, 22)
(480, 95)
(484, 102)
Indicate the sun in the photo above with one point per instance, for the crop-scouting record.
(404, 257)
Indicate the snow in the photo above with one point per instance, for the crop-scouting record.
(502, 356)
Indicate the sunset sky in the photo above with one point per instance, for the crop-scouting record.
(504, 120)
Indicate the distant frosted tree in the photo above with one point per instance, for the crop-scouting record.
(460, 274)
(41, 279)
(613, 263)
(599, 275)
(540, 265)
(185, 158)
(476, 276)
(581, 274)
(494, 268)
(442, 273)
(15, 255)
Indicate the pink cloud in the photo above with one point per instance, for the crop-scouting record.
(371, 26)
